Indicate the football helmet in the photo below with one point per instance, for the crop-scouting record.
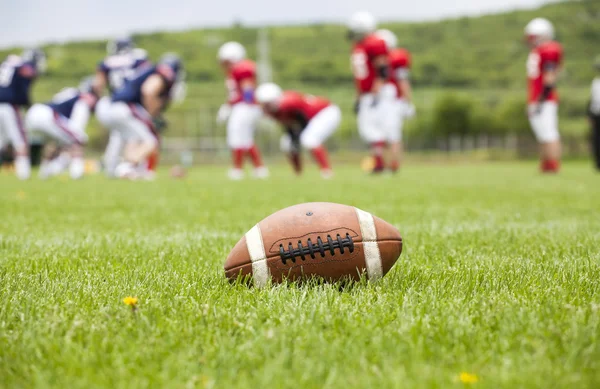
(231, 52)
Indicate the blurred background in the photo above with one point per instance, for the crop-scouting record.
(468, 64)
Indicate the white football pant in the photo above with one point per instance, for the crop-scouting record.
(545, 122)
(11, 127)
(241, 125)
(376, 114)
(68, 131)
(318, 130)
(132, 122)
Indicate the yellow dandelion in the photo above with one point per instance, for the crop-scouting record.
(468, 378)
(21, 195)
(131, 301)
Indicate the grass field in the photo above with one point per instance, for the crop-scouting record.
(500, 278)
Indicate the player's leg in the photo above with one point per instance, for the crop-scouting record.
(285, 145)
(545, 127)
(318, 130)
(77, 124)
(395, 122)
(146, 140)
(14, 130)
(235, 141)
(370, 130)
(114, 147)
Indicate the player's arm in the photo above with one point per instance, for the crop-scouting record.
(294, 155)
(152, 94)
(549, 79)
(248, 85)
(403, 77)
(382, 69)
(100, 82)
(29, 72)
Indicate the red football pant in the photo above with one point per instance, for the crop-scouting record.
(237, 156)
(550, 166)
(255, 156)
(377, 150)
(321, 157)
(153, 161)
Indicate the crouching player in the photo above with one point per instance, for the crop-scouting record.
(121, 63)
(137, 104)
(308, 121)
(64, 119)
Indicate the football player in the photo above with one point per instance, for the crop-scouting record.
(136, 105)
(543, 66)
(376, 100)
(593, 110)
(308, 122)
(120, 64)
(241, 111)
(16, 76)
(399, 76)
(64, 119)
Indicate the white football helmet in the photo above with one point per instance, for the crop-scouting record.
(268, 93)
(362, 22)
(231, 52)
(388, 37)
(540, 29)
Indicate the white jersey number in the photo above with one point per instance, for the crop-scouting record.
(6, 74)
(533, 65)
(117, 77)
(359, 65)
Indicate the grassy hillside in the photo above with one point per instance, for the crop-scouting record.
(480, 57)
(482, 51)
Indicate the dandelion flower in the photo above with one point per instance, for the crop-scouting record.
(468, 378)
(131, 301)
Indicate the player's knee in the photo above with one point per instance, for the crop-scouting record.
(309, 142)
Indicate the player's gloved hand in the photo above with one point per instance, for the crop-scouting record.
(160, 123)
(534, 109)
(375, 101)
(409, 111)
(223, 113)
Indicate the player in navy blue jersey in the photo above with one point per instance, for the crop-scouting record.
(64, 119)
(17, 73)
(135, 106)
(120, 64)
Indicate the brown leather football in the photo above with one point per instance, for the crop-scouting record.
(326, 240)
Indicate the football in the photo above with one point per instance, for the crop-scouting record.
(324, 240)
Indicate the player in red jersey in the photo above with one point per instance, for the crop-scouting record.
(543, 65)
(375, 99)
(308, 121)
(241, 111)
(399, 62)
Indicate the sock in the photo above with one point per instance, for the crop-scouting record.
(237, 156)
(77, 168)
(153, 162)
(550, 166)
(22, 167)
(255, 156)
(321, 157)
(377, 149)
